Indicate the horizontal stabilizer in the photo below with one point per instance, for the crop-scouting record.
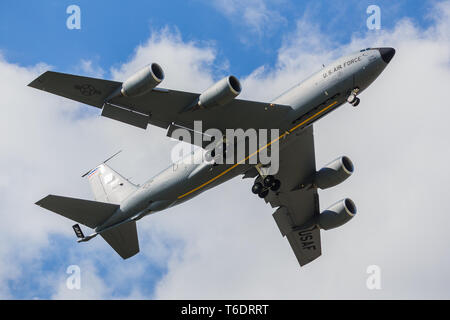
(86, 212)
(123, 239)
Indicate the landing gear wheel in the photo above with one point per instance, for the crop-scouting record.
(264, 193)
(275, 185)
(356, 102)
(268, 181)
(257, 188)
(351, 98)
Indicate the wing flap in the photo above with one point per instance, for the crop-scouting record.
(125, 115)
(168, 106)
(283, 220)
(301, 204)
(237, 114)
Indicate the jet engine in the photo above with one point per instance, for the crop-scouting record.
(337, 214)
(334, 173)
(143, 81)
(220, 93)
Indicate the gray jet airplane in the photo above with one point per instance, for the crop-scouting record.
(292, 190)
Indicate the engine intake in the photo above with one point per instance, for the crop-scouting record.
(336, 215)
(143, 81)
(334, 173)
(220, 93)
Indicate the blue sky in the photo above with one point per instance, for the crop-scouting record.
(33, 32)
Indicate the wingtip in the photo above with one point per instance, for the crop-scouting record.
(38, 82)
(32, 84)
(130, 255)
(40, 202)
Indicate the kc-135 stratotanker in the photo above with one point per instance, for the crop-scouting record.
(292, 190)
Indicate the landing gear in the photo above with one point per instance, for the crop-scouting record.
(269, 183)
(352, 99)
(276, 185)
(263, 194)
(257, 188)
(356, 102)
(272, 183)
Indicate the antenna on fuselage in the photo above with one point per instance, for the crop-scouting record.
(115, 154)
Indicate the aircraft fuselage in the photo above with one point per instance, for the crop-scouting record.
(310, 100)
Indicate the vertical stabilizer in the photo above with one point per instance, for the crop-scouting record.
(108, 185)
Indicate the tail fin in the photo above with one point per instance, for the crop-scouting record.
(89, 213)
(110, 190)
(122, 238)
(108, 185)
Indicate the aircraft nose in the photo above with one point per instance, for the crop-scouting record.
(386, 54)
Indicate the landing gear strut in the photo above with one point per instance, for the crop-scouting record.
(269, 183)
(352, 99)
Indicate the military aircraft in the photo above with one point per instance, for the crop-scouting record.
(292, 190)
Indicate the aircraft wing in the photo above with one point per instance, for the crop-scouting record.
(160, 107)
(297, 201)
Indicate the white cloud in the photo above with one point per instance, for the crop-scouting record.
(48, 142)
(256, 16)
(92, 286)
(90, 69)
(397, 137)
(187, 66)
(225, 244)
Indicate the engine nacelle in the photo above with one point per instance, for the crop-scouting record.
(337, 214)
(334, 173)
(220, 93)
(143, 81)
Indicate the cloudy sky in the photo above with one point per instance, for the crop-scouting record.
(224, 243)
